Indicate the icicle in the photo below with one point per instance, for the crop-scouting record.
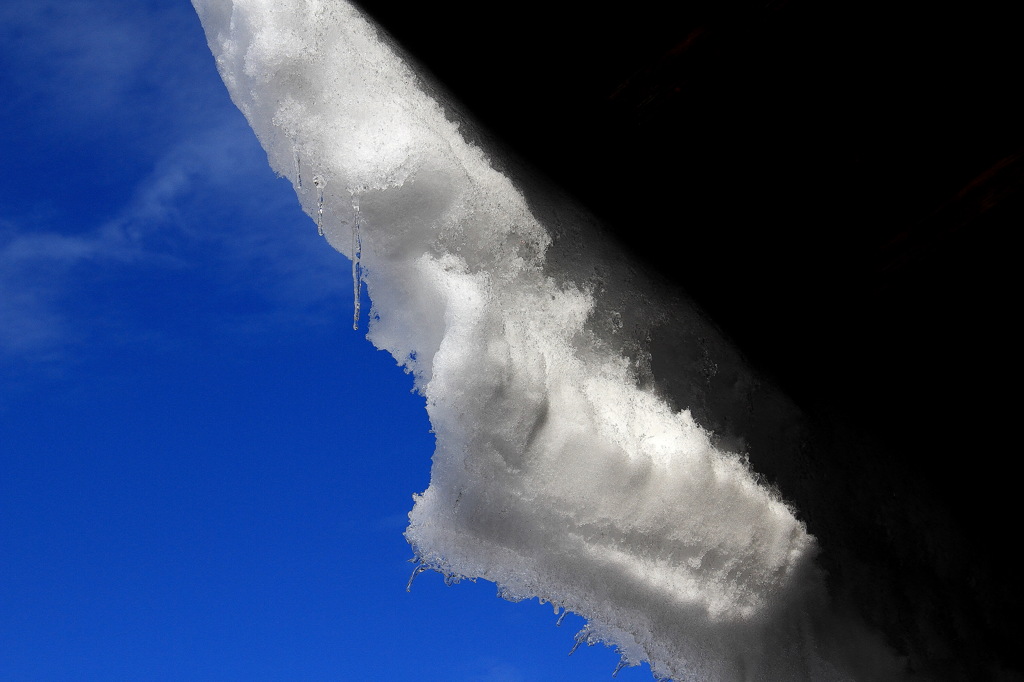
(357, 279)
(620, 666)
(582, 635)
(298, 171)
(415, 572)
(319, 181)
(561, 617)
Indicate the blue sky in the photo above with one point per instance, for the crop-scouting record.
(205, 471)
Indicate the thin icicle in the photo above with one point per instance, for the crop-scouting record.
(319, 181)
(298, 171)
(581, 636)
(415, 572)
(357, 280)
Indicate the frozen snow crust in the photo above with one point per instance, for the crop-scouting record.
(555, 474)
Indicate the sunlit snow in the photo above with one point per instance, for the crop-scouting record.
(558, 473)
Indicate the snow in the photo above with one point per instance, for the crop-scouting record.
(558, 474)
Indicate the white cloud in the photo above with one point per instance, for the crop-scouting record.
(194, 204)
(95, 90)
(82, 61)
(34, 270)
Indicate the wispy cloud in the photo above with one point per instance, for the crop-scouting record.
(156, 172)
(76, 62)
(34, 275)
(196, 208)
